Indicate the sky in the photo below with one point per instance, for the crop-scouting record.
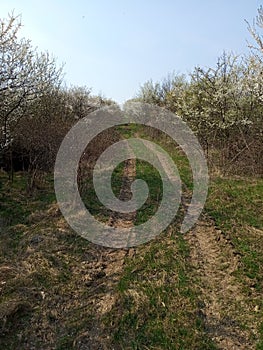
(115, 46)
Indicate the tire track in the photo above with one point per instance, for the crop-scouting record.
(222, 302)
(106, 272)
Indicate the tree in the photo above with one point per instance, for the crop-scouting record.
(222, 105)
(258, 22)
(44, 125)
(165, 93)
(25, 75)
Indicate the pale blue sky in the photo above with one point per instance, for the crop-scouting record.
(115, 46)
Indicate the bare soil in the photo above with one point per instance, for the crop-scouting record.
(223, 305)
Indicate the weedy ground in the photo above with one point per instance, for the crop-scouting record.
(202, 290)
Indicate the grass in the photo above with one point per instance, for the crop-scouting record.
(145, 171)
(91, 200)
(157, 302)
(171, 147)
(236, 206)
(47, 269)
(38, 254)
(16, 204)
(157, 305)
(236, 200)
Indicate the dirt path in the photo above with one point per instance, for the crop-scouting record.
(107, 271)
(222, 303)
(129, 173)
